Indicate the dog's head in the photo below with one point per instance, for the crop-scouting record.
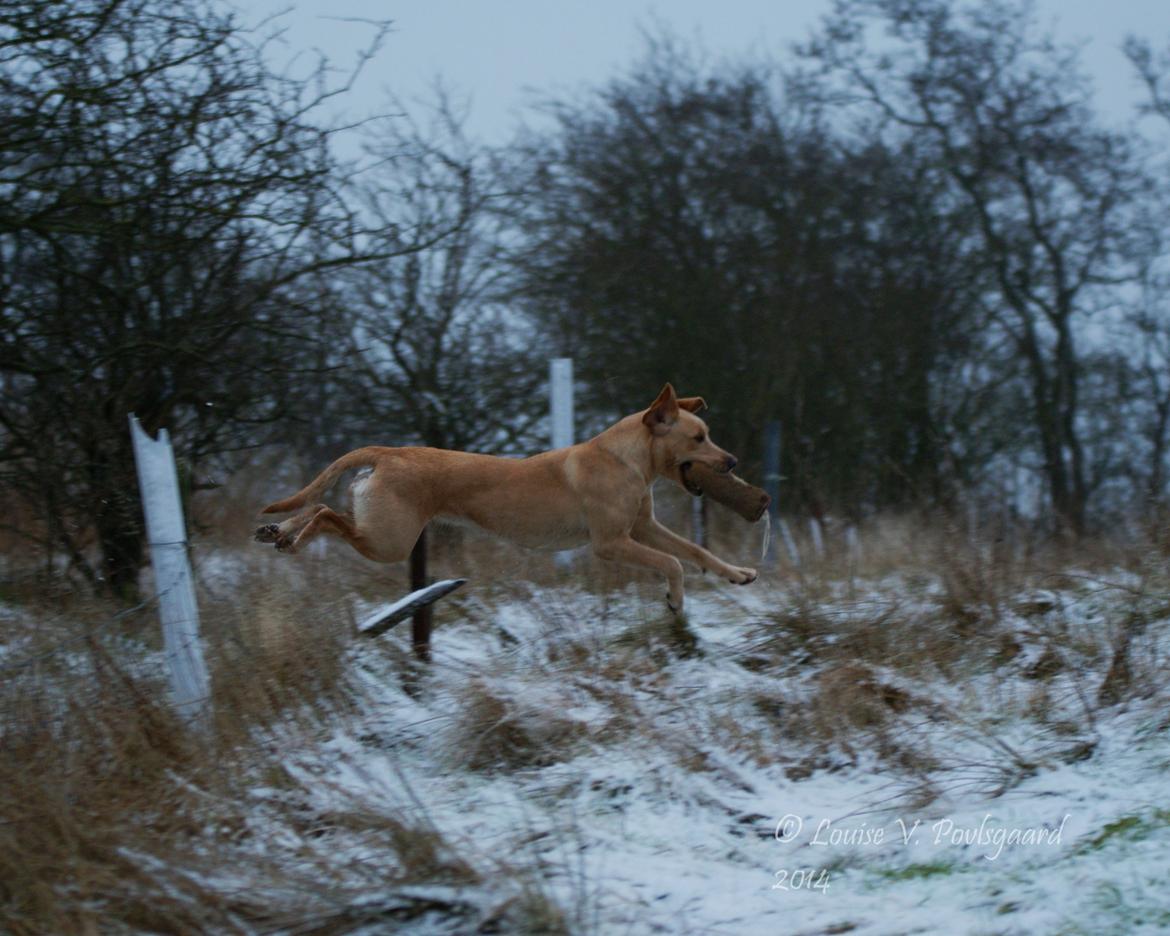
(679, 438)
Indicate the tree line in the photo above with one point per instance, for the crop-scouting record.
(911, 239)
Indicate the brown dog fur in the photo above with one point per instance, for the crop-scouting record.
(595, 492)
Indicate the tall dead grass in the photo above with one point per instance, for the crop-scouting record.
(116, 817)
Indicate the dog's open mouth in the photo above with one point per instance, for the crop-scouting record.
(691, 486)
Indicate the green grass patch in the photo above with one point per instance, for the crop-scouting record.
(1132, 828)
(914, 872)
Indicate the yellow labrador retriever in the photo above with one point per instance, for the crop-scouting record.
(595, 492)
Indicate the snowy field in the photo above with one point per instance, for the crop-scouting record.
(920, 750)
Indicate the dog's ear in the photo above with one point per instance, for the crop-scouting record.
(663, 412)
(692, 404)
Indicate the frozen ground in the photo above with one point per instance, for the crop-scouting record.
(868, 757)
(670, 798)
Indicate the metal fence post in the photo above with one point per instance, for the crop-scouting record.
(174, 587)
(772, 477)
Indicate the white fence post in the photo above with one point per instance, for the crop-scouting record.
(772, 486)
(698, 522)
(789, 543)
(560, 391)
(159, 484)
(561, 432)
(853, 543)
(852, 551)
(818, 539)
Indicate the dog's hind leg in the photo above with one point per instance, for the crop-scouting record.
(391, 545)
(329, 522)
(285, 533)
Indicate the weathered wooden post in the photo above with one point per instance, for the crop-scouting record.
(174, 587)
(561, 431)
(421, 620)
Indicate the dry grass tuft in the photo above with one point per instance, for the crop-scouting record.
(853, 694)
(117, 817)
(497, 731)
(532, 911)
(279, 654)
(73, 780)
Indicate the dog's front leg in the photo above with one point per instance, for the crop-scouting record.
(649, 531)
(627, 550)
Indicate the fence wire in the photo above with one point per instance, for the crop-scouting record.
(86, 634)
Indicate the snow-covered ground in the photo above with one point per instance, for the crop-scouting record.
(649, 786)
(862, 757)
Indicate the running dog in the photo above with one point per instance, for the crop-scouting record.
(595, 492)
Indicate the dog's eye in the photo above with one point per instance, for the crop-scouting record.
(700, 437)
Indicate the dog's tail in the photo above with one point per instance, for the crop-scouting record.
(358, 458)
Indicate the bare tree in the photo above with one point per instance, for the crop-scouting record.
(1007, 112)
(1149, 318)
(692, 223)
(441, 358)
(1153, 68)
(164, 193)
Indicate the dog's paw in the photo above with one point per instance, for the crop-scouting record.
(741, 576)
(676, 607)
(269, 533)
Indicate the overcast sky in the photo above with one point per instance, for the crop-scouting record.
(500, 53)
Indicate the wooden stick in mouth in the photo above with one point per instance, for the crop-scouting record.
(745, 499)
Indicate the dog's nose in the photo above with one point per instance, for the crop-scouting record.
(731, 463)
